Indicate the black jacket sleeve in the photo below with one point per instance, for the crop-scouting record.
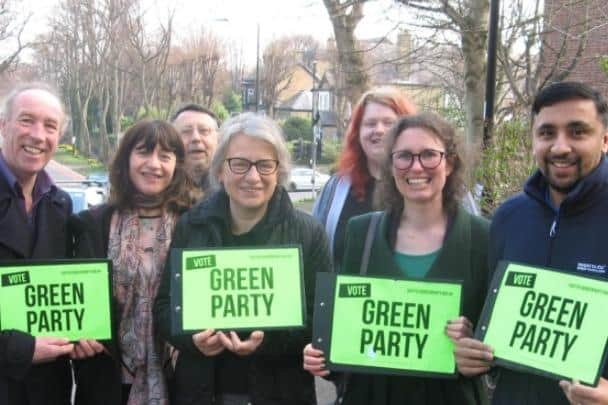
(16, 353)
(162, 303)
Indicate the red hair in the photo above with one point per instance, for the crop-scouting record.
(353, 161)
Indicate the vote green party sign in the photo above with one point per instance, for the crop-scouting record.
(384, 325)
(546, 322)
(237, 289)
(61, 298)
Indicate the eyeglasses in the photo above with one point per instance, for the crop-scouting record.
(428, 158)
(242, 166)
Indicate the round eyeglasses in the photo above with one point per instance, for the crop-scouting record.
(242, 165)
(428, 158)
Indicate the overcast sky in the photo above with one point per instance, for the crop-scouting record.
(236, 20)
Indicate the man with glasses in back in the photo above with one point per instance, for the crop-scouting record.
(198, 126)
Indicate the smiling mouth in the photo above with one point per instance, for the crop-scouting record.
(32, 150)
(151, 176)
(418, 181)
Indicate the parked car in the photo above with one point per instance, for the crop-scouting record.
(83, 194)
(300, 178)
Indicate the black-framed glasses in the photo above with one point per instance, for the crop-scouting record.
(242, 165)
(428, 158)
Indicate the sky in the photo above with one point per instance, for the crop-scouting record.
(236, 20)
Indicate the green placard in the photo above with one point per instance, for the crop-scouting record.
(238, 289)
(387, 326)
(546, 322)
(62, 298)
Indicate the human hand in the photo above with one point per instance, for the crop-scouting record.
(86, 348)
(579, 394)
(472, 356)
(459, 328)
(208, 342)
(314, 362)
(49, 348)
(233, 343)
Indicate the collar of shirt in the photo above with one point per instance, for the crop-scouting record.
(43, 184)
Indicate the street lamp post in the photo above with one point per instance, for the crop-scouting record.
(257, 70)
(315, 127)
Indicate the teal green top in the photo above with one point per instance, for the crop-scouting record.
(416, 266)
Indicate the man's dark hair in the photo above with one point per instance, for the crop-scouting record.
(196, 108)
(566, 91)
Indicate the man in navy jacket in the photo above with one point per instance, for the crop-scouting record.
(33, 214)
(556, 222)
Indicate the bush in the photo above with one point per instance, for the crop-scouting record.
(297, 127)
(506, 163)
(232, 101)
(219, 110)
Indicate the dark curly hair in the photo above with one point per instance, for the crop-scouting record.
(179, 195)
(387, 196)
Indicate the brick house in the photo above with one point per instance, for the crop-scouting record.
(568, 25)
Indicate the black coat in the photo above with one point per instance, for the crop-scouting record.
(20, 382)
(98, 379)
(276, 375)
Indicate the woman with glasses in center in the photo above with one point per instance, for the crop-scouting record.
(422, 233)
(252, 208)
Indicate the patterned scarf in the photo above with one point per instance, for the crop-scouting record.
(138, 259)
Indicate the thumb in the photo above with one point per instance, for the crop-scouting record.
(257, 335)
(64, 349)
(57, 341)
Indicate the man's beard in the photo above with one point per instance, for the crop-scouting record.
(199, 172)
(563, 189)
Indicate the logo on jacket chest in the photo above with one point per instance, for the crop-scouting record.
(591, 268)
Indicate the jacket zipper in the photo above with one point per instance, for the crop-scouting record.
(552, 233)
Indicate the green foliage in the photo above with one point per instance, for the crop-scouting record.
(297, 127)
(329, 156)
(506, 163)
(153, 112)
(219, 110)
(604, 64)
(232, 101)
(126, 121)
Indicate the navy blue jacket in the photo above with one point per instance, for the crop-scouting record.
(527, 229)
(20, 383)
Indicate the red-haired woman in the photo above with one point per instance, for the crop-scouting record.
(349, 192)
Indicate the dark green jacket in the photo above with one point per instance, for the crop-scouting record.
(276, 375)
(462, 257)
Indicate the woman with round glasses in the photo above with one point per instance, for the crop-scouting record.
(350, 191)
(423, 232)
(252, 208)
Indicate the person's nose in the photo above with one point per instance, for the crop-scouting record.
(561, 145)
(253, 174)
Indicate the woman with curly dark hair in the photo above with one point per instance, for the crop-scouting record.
(423, 232)
(149, 189)
(350, 191)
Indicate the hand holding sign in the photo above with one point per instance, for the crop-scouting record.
(314, 362)
(49, 348)
(583, 394)
(459, 328)
(208, 342)
(472, 357)
(240, 347)
(86, 348)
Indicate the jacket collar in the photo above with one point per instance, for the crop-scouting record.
(585, 193)
(456, 241)
(217, 209)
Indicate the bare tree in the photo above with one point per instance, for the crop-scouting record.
(277, 70)
(351, 76)
(468, 19)
(11, 30)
